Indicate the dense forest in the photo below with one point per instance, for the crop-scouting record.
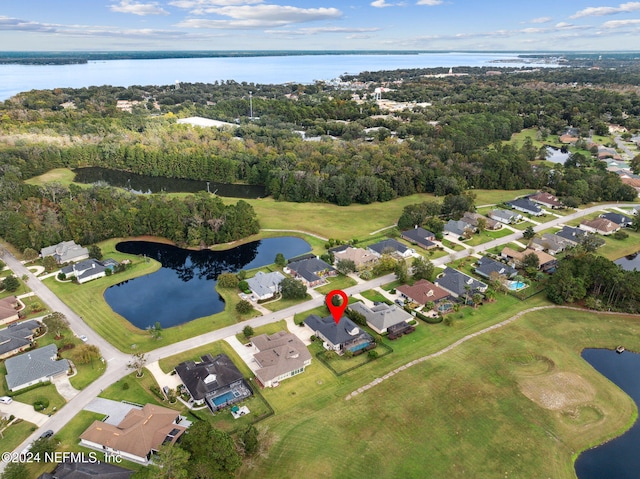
(326, 142)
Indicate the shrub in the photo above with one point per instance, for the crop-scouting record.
(243, 285)
(372, 354)
(248, 331)
(244, 307)
(125, 386)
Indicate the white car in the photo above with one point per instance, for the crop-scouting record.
(83, 338)
(6, 400)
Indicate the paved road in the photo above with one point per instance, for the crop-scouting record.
(117, 360)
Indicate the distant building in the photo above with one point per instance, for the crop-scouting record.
(460, 285)
(422, 292)
(88, 269)
(546, 262)
(458, 228)
(618, 218)
(546, 199)
(505, 216)
(311, 271)
(600, 225)
(420, 236)
(361, 258)
(391, 246)
(65, 252)
(526, 206)
(265, 285)
(486, 266)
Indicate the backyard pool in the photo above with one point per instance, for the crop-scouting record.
(445, 307)
(226, 397)
(516, 285)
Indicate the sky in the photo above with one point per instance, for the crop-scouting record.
(521, 25)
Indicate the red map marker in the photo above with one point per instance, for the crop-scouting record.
(336, 311)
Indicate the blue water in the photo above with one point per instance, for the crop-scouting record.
(183, 289)
(516, 285)
(629, 263)
(619, 458)
(223, 399)
(266, 70)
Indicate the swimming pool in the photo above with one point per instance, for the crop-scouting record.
(226, 397)
(445, 307)
(516, 285)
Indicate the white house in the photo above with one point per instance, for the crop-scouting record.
(265, 285)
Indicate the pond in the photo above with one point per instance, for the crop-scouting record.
(154, 184)
(629, 263)
(183, 289)
(619, 458)
(554, 155)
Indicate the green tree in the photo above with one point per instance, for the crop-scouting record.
(11, 283)
(16, 470)
(213, 452)
(280, 260)
(137, 363)
(85, 353)
(43, 446)
(156, 330)
(56, 322)
(528, 233)
(170, 462)
(29, 254)
(49, 263)
(95, 252)
(244, 307)
(345, 266)
(422, 269)
(247, 331)
(401, 271)
(228, 280)
(250, 441)
(530, 261)
(291, 288)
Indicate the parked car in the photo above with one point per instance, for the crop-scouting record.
(46, 434)
(84, 338)
(6, 400)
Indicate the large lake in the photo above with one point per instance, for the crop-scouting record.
(619, 458)
(629, 263)
(266, 70)
(183, 289)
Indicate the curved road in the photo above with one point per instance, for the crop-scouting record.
(117, 361)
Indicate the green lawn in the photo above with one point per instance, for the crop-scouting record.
(16, 434)
(48, 391)
(487, 236)
(614, 249)
(284, 303)
(375, 296)
(336, 282)
(137, 390)
(266, 329)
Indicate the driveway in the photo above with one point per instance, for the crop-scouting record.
(64, 387)
(115, 410)
(246, 353)
(302, 332)
(163, 379)
(24, 411)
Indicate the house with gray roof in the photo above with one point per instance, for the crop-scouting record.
(391, 246)
(265, 285)
(420, 236)
(505, 216)
(339, 337)
(311, 271)
(37, 366)
(65, 252)
(474, 219)
(571, 234)
(526, 206)
(486, 266)
(460, 285)
(382, 316)
(618, 218)
(551, 243)
(17, 337)
(279, 356)
(88, 269)
(458, 228)
(214, 381)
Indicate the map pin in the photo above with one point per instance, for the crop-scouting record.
(336, 311)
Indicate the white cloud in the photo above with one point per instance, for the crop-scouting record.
(541, 20)
(601, 11)
(318, 30)
(142, 9)
(430, 3)
(620, 23)
(261, 16)
(382, 4)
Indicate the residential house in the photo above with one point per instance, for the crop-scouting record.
(600, 225)
(459, 228)
(546, 262)
(36, 366)
(65, 252)
(567, 138)
(460, 285)
(505, 216)
(10, 308)
(604, 152)
(474, 219)
(551, 243)
(383, 317)
(214, 381)
(17, 337)
(526, 206)
(342, 336)
(623, 220)
(280, 356)
(420, 236)
(311, 271)
(88, 269)
(486, 266)
(265, 285)
(571, 234)
(631, 181)
(362, 258)
(138, 436)
(87, 470)
(391, 246)
(546, 199)
(422, 292)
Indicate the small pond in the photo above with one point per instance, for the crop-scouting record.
(154, 184)
(554, 155)
(619, 458)
(629, 263)
(183, 289)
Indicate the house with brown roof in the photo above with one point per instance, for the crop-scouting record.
(546, 262)
(568, 138)
(10, 309)
(422, 292)
(546, 199)
(600, 225)
(139, 435)
(360, 257)
(279, 356)
(473, 219)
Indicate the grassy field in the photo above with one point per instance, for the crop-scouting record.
(481, 410)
